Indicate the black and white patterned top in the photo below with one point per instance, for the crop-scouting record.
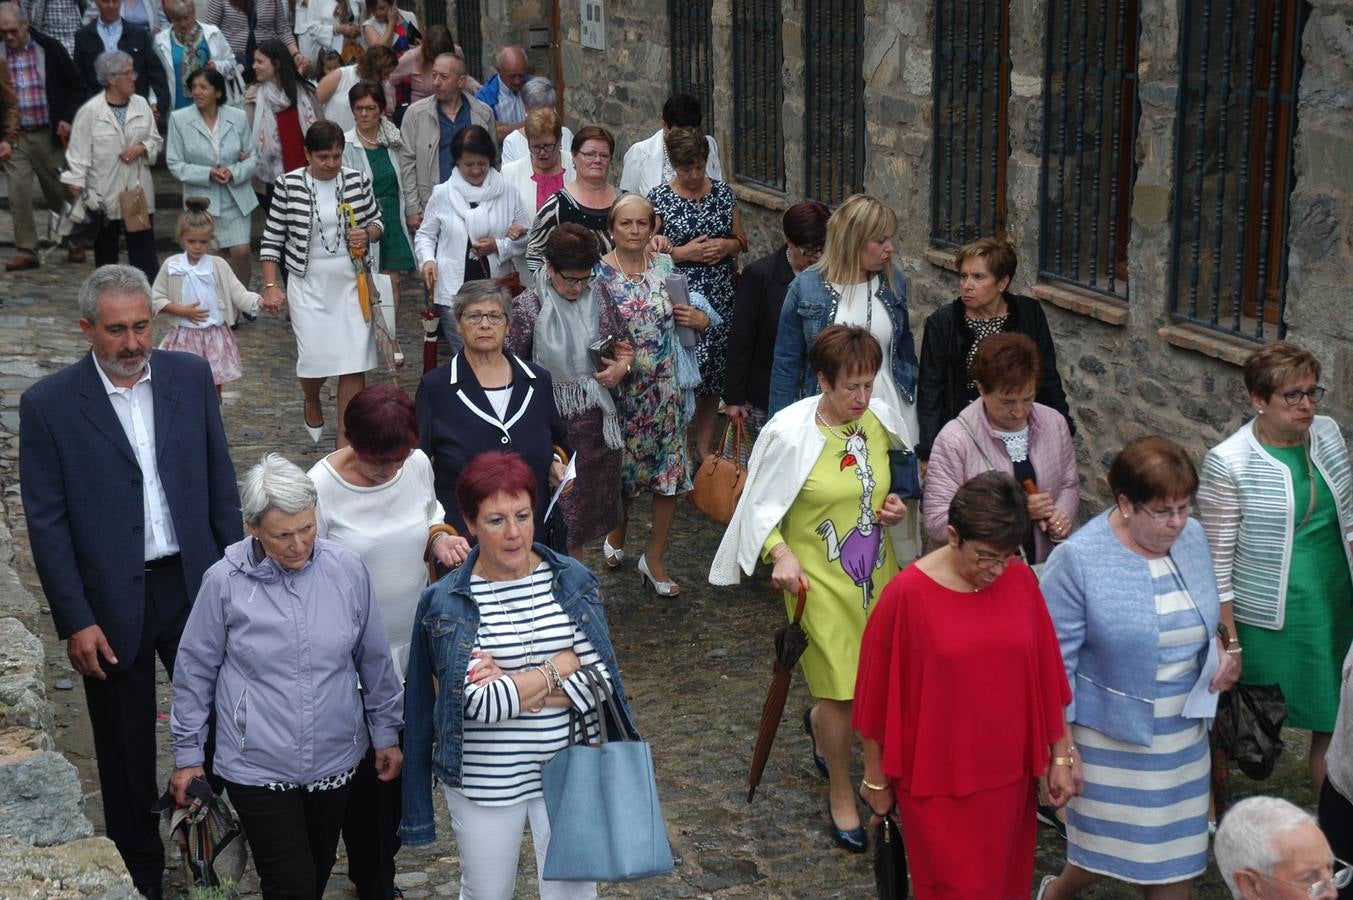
(286, 235)
(981, 330)
(520, 625)
(557, 210)
(330, 783)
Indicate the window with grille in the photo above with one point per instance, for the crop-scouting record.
(434, 13)
(1089, 130)
(833, 39)
(971, 94)
(692, 40)
(758, 93)
(1233, 169)
(470, 36)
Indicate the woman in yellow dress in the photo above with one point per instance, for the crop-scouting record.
(815, 506)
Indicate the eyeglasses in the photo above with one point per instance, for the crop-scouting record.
(813, 253)
(991, 561)
(493, 318)
(1315, 395)
(1161, 516)
(595, 156)
(132, 73)
(575, 282)
(1342, 878)
(544, 148)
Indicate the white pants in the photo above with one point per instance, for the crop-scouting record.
(489, 840)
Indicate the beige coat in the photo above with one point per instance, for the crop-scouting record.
(418, 158)
(93, 158)
(233, 296)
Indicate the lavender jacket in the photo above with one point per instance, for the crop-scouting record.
(278, 654)
(955, 457)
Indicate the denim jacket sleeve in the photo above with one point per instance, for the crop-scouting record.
(417, 825)
(786, 371)
(905, 367)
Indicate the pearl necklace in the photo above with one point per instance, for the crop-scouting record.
(825, 424)
(632, 277)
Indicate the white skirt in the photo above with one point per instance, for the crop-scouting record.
(332, 338)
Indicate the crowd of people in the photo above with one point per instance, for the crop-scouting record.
(417, 605)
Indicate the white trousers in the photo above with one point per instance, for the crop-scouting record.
(489, 840)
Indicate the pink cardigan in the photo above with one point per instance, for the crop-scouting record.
(955, 458)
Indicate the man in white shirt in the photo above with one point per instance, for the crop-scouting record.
(646, 165)
(129, 496)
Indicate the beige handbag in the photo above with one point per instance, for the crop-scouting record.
(135, 212)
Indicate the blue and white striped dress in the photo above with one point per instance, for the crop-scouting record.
(1143, 815)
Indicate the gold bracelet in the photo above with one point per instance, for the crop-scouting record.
(875, 787)
(1067, 761)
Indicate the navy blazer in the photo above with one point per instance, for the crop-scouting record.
(82, 494)
(456, 423)
(135, 41)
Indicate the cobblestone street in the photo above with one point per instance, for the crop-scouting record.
(696, 667)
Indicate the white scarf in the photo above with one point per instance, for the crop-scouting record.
(478, 222)
(563, 331)
(268, 102)
(199, 286)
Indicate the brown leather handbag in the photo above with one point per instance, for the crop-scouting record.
(719, 481)
(135, 213)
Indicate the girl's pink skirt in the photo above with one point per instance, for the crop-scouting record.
(215, 343)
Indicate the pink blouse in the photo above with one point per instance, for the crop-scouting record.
(547, 186)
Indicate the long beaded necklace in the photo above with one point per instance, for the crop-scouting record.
(319, 225)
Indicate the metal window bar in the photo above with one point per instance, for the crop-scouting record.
(834, 101)
(1089, 131)
(692, 41)
(971, 141)
(470, 35)
(434, 13)
(1240, 64)
(758, 93)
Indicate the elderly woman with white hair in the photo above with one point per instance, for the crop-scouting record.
(113, 143)
(538, 93)
(190, 45)
(1269, 849)
(283, 631)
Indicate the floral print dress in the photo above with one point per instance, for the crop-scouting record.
(651, 413)
(684, 220)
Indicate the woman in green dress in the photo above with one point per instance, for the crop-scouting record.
(1276, 501)
(815, 505)
(373, 147)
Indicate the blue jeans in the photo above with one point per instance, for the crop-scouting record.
(450, 329)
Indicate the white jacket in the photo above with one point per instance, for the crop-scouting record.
(315, 26)
(93, 159)
(517, 174)
(784, 455)
(516, 146)
(444, 237)
(642, 170)
(354, 157)
(222, 59)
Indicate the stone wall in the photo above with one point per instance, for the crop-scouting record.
(1123, 376)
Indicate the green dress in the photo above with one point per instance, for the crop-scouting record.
(1306, 655)
(396, 254)
(833, 530)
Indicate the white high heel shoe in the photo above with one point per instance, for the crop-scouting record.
(661, 588)
(316, 432)
(613, 556)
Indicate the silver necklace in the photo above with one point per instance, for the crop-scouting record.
(521, 642)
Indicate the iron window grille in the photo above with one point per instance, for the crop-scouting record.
(833, 37)
(469, 32)
(971, 95)
(1233, 168)
(434, 13)
(758, 93)
(692, 41)
(1089, 133)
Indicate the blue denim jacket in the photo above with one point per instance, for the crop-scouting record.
(445, 629)
(809, 307)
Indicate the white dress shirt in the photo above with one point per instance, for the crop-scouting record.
(135, 408)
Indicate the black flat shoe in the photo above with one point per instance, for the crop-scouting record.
(1047, 814)
(851, 839)
(812, 740)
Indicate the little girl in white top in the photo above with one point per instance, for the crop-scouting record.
(202, 297)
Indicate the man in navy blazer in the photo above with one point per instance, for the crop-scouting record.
(131, 39)
(129, 495)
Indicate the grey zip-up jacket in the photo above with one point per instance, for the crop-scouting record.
(279, 655)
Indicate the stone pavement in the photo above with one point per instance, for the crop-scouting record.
(696, 667)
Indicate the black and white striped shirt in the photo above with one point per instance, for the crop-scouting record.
(520, 626)
(286, 235)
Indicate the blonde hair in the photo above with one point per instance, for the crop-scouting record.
(856, 222)
(542, 121)
(195, 216)
(630, 200)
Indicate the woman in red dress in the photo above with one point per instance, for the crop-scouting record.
(960, 702)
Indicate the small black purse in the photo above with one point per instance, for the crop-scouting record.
(905, 469)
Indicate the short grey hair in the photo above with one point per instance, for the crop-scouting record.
(109, 62)
(538, 93)
(1245, 838)
(275, 483)
(18, 12)
(460, 63)
(176, 8)
(117, 280)
(472, 292)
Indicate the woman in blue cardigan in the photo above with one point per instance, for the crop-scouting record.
(1134, 600)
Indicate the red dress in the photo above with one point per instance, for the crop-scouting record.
(964, 692)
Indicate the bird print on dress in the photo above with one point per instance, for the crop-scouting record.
(861, 551)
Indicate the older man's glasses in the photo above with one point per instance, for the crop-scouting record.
(1315, 395)
(493, 318)
(1325, 887)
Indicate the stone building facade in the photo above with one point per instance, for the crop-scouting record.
(1131, 363)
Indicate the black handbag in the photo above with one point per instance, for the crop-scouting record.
(1249, 725)
(905, 469)
(890, 860)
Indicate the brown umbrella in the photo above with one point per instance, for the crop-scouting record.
(790, 642)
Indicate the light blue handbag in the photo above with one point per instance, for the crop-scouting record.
(605, 819)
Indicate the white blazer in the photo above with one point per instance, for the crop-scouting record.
(518, 176)
(516, 146)
(315, 26)
(444, 238)
(642, 170)
(222, 58)
(354, 157)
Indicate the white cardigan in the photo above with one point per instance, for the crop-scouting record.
(782, 458)
(443, 238)
(642, 171)
(222, 59)
(93, 160)
(354, 157)
(518, 176)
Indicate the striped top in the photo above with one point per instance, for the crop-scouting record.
(520, 625)
(286, 235)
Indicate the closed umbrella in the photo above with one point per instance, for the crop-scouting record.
(790, 642)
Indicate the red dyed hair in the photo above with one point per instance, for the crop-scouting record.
(493, 473)
(381, 424)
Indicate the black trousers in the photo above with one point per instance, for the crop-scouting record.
(122, 713)
(293, 836)
(1335, 815)
(140, 247)
(371, 831)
